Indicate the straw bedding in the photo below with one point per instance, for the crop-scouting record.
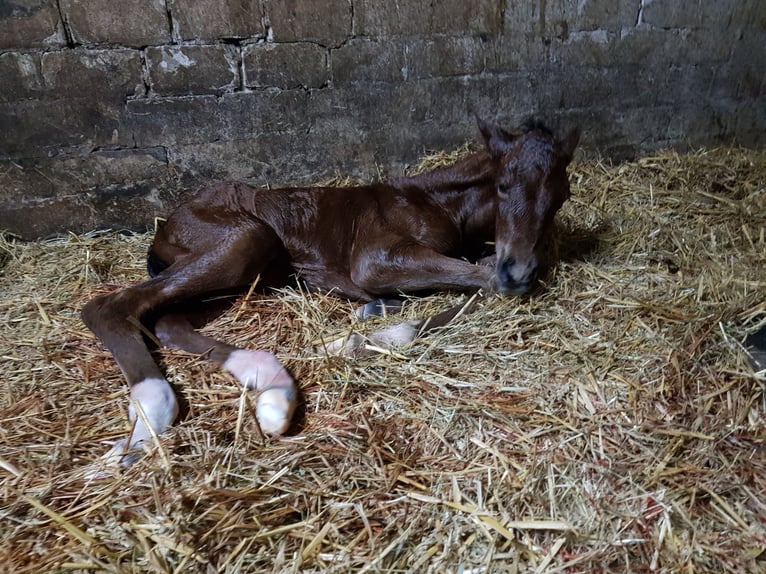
(610, 422)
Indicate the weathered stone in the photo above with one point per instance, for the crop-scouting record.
(126, 23)
(327, 98)
(21, 76)
(593, 49)
(259, 161)
(559, 18)
(445, 56)
(128, 207)
(168, 121)
(73, 116)
(66, 114)
(66, 175)
(743, 75)
(90, 191)
(669, 14)
(69, 123)
(646, 46)
(368, 60)
(216, 19)
(327, 22)
(30, 24)
(285, 65)
(414, 18)
(514, 52)
(751, 117)
(642, 45)
(71, 74)
(189, 70)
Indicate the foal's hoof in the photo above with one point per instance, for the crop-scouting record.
(263, 372)
(379, 308)
(121, 454)
(116, 457)
(274, 409)
(342, 346)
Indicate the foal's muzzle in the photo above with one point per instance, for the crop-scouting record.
(514, 278)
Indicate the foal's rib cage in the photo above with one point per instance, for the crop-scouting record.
(359, 242)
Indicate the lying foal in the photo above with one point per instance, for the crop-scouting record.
(360, 243)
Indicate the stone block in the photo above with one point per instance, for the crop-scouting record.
(68, 174)
(31, 24)
(670, 14)
(369, 60)
(21, 76)
(647, 46)
(103, 189)
(750, 118)
(190, 70)
(169, 121)
(260, 161)
(415, 18)
(285, 66)
(744, 73)
(97, 74)
(73, 122)
(326, 22)
(559, 18)
(127, 23)
(643, 46)
(131, 206)
(591, 49)
(79, 101)
(515, 52)
(217, 19)
(445, 56)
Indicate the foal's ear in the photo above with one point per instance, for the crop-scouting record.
(498, 141)
(568, 144)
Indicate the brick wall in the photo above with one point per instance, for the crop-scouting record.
(110, 111)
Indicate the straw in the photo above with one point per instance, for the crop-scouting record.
(609, 422)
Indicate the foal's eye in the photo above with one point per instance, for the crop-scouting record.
(503, 193)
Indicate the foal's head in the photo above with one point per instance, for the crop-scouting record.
(532, 185)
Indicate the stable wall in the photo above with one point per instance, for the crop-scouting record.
(111, 111)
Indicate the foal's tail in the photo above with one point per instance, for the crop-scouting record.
(400, 333)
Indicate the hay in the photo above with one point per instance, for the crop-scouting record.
(611, 422)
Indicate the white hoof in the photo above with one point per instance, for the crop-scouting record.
(344, 346)
(259, 370)
(121, 454)
(262, 371)
(396, 335)
(274, 409)
(158, 409)
(117, 456)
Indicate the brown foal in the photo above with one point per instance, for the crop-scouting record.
(412, 234)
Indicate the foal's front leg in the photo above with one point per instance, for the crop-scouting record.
(256, 370)
(417, 268)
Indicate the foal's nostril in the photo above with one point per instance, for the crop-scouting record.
(515, 278)
(504, 272)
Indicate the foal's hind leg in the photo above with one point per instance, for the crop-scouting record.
(258, 370)
(230, 257)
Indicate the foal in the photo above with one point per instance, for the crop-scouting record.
(360, 243)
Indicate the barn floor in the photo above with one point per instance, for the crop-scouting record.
(611, 422)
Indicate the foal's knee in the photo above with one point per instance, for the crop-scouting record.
(92, 312)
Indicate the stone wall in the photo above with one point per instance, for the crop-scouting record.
(111, 111)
